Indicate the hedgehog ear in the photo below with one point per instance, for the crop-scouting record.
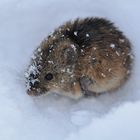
(70, 55)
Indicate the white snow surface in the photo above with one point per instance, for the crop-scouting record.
(23, 24)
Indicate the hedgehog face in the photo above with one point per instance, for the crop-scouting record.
(32, 76)
(52, 69)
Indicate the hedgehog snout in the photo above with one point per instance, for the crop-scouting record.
(34, 87)
(35, 84)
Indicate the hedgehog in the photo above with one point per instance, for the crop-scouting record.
(81, 58)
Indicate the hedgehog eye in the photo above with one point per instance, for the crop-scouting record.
(49, 76)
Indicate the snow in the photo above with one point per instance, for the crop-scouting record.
(109, 69)
(75, 33)
(103, 75)
(122, 40)
(50, 62)
(117, 53)
(94, 48)
(87, 35)
(112, 46)
(117, 127)
(23, 24)
(73, 47)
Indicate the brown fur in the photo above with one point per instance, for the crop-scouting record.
(86, 57)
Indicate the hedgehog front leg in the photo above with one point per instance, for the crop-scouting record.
(85, 82)
(77, 92)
